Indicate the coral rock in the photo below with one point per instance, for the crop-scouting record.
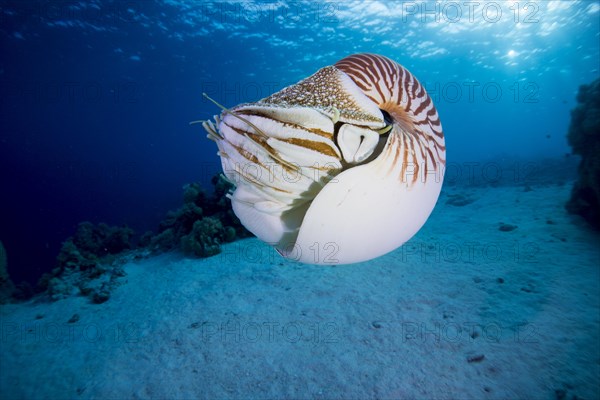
(200, 225)
(584, 138)
(86, 262)
(6, 285)
(205, 239)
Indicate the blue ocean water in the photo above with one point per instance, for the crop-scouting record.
(97, 96)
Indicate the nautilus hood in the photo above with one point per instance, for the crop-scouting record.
(344, 166)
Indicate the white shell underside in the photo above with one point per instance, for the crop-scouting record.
(317, 181)
(351, 220)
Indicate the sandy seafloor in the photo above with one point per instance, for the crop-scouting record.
(463, 311)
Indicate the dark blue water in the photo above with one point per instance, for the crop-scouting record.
(97, 96)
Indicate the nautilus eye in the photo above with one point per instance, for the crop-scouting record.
(341, 167)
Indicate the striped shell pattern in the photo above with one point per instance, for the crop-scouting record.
(341, 167)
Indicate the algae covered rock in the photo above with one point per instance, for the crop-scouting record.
(206, 237)
(6, 285)
(86, 263)
(200, 225)
(584, 138)
(101, 239)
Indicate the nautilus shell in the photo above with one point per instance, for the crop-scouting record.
(344, 166)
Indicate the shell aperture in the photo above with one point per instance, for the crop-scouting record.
(341, 167)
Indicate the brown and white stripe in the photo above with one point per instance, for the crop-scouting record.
(417, 134)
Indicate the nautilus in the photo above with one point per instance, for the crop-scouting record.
(344, 166)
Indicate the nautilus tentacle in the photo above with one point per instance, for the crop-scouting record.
(344, 166)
